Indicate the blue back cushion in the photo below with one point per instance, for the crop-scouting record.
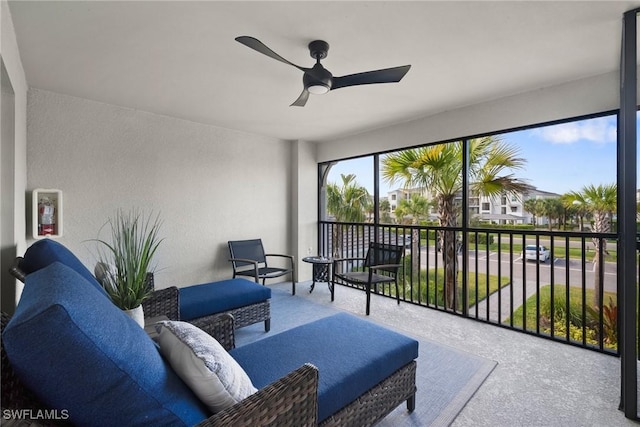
(352, 355)
(46, 251)
(209, 298)
(79, 352)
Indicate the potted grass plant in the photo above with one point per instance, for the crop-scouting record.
(127, 260)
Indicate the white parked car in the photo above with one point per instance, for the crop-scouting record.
(532, 252)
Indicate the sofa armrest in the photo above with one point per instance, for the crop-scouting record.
(15, 269)
(163, 302)
(290, 401)
(219, 326)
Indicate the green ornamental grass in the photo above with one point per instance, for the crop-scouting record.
(134, 242)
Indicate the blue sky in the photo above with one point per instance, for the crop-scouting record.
(560, 158)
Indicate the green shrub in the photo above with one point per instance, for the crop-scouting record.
(428, 234)
(481, 238)
(560, 309)
(575, 332)
(507, 226)
(573, 312)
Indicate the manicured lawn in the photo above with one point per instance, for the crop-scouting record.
(434, 286)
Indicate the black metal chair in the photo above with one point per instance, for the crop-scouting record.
(379, 267)
(249, 259)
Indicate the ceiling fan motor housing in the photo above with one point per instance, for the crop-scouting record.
(318, 49)
(319, 79)
(318, 76)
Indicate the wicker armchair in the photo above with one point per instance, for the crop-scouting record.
(290, 401)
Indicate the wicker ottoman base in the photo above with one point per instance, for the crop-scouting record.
(379, 401)
(243, 316)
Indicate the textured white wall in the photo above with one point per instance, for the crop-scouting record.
(210, 184)
(16, 242)
(304, 201)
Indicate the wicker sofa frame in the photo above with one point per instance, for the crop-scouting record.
(364, 411)
(291, 401)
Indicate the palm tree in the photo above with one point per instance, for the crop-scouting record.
(601, 201)
(348, 202)
(400, 214)
(385, 211)
(552, 208)
(416, 208)
(574, 211)
(534, 207)
(439, 169)
(579, 209)
(370, 210)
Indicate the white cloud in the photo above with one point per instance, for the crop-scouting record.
(600, 130)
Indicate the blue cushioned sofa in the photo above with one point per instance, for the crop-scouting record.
(245, 300)
(70, 352)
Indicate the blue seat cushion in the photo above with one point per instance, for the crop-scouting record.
(79, 352)
(352, 355)
(210, 298)
(46, 251)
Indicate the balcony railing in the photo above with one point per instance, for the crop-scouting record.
(482, 274)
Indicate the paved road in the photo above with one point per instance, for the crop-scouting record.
(559, 242)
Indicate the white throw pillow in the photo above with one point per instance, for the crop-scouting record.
(203, 364)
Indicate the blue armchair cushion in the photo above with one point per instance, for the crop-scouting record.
(352, 355)
(46, 251)
(82, 354)
(210, 298)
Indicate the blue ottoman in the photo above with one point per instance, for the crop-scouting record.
(247, 301)
(353, 356)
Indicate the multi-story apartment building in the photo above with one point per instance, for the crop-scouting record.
(505, 209)
(508, 208)
(395, 196)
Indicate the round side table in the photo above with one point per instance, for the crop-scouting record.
(321, 271)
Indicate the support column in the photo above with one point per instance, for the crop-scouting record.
(627, 182)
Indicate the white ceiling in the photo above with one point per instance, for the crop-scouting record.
(180, 58)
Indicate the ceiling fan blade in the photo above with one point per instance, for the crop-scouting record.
(302, 99)
(258, 46)
(387, 75)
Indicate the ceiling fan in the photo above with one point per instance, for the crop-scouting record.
(318, 80)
